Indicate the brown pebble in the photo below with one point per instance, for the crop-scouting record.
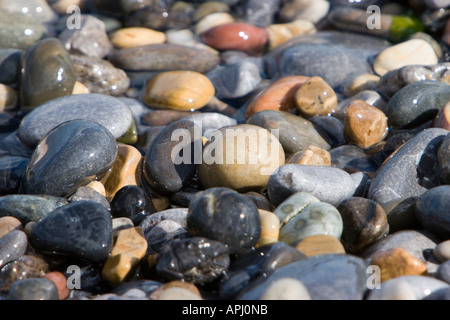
(8, 224)
(320, 244)
(311, 156)
(316, 98)
(165, 117)
(61, 283)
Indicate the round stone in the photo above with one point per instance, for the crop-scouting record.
(136, 37)
(240, 157)
(132, 202)
(442, 251)
(311, 156)
(316, 98)
(320, 244)
(179, 90)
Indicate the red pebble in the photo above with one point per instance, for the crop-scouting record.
(237, 36)
(60, 281)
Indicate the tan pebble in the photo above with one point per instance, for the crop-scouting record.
(316, 98)
(212, 20)
(364, 125)
(176, 290)
(129, 248)
(179, 90)
(270, 228)
(286, 289)
(278, 96)
(133, 37)
(8, 98)
(178, 294)
(442, 251)
(442, 119)
(8, 224)
(281, 33)
(80, 88)
(124, 171)
(362, 82)
(61, 283)
(97, 186)
(411, 52)
(320, 244)
(311, 156)
(397, 262)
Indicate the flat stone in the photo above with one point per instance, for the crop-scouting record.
(320, 244)
(105, 110)
(12, 246)
(34, 289)
(286, 289)
(316, 98)
(136, 37)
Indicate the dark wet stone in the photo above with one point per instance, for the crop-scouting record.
(12, 246)
(261, 201)
(331, 129)
(10, 145)
(8, 123)
(169, 163)
(90, 278)
(100, 76)
(365, 222)
(432, 211)
(327, 277)
(391, 144)
(183, 197)
(71, 155)
(12, 170)
(34, 289)
(10, 65)
(28, 208)
(350, 157)
(178, 215)
(417, 103)
(295, 133)
(197, 260)
(164, 57)
(225, 215)
(48, 73)
(132, 202)
(164, 232)
(159, 17)
(12, 31)
(443, 156)
(261, 13)
(79, 231)
(106, 110)
(411, 171)
(443, 272)
(86, 193)
(401, 214)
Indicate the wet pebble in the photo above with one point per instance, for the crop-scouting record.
(442, 251)
(164, 232)
(12, 246)
(12, 170)
(14, 32)
(34, 289)
(316, 98)
(320, 244)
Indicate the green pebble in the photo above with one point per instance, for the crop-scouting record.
(131, 136)
(403, 27)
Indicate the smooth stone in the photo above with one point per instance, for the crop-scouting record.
(84, 145)
(239, 36)
(235, 80)
(209, 7)
(286, 289)
(316, 98)
(10, 144)
(164, 167)
(105, 110)
(12, 246)
(97, 186)
(360, 83)
(350, 157)
(164, 57)
(136, 37)
(417, 103)
(294, 132)
(431, 211)
(8, 98)
(81, 231)
(410, 165)
(183, 197)
(310, 55)
(197, 260)
(60, 282)
(224, 215)
(160, 16)
(327, 277)
(230, 161)
(12, 170)
(397, 262)
(283, 32)
(390, 145)
(100, 76)
(418, 243)
(48, 73)
(364, 124)
(10, 65)
(129, 248)
(176, 290)
(365, 222)
(28, 208)
(213, 20)
(320, 244)
(443, 272)
(442, 119)
(164, 117)
(333, 186)
(178, 215)
(278, 96)
(121, 223)
(401, 214)
(90, 40)
(14, 34)
(312, 10)
(210, 122)
(80, 88)
(186, 37)
(38, 10)
(34, 289)
(370, 97)
(399, 56)
(331, 128)
(261, 13)
(442, 251)
(179, 90)
(164, 232)
(86, 193)
(270, 228)
(443, 155)
(312, 156)
(8, 224)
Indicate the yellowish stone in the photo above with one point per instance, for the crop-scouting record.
(320, 244)
(316, 98)
(281, 33)
(80, 88)
(362, 82)
(176, 290)
(8, 98)
(442, 119)
(136, 37)
(179, 90)
(311, 156)
(213, 20)
(129, 248)
(97, 186)
(270, 228)
(124, 171)
(8, 224)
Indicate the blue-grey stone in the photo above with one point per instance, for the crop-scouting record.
(261, 13)
(443, 272)
(108, 111)
(12, 246)
(10, 65)
(34, 289)
(71, 155)
(12, 170)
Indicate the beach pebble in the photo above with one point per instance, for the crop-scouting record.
(286, 289)
(283, 32)
(60, 282)
(270, 227)
(34, 289)
(311, 156)
(320, 244)
(442, 251)
(136, 37)
(316, 98)
(13, 245)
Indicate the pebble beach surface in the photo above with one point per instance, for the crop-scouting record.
(224, 150)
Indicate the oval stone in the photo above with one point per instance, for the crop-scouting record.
(136, 37)
(71, 155)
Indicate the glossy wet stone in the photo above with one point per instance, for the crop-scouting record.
(224, 215)
(319, 244)
(11, 173)
(28, 208)
(10, 64)
(178, 215)
(270, 228)
(331, 129)
(12, 246)
(364, 222)
(316, 98)
(132, 202)
(350, 157)
(48, 73)
(164, 232)
(14, 32)
(84, 193)
(84, 145)
(60, 282)
(164, 57)
(105, 110)
(197, 260)
(81, 230)
(34, 289)
(327, 277)
(443, 156)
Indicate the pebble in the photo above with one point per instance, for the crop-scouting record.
(10, 65)
(351, 158)
(85, 193)
(213, 215)
(312, 10)
(230, 159)
(443, 272)
(61, 283)
(442, 155)
(164, 232)
(8, 224)
(209, 7)
(212, 20)
(35, 9)
(12, 170)
(360, 83)
(14, 32)
(320, 244)
(311, 156)
(34, 289)
(176, 290)
(316, 98)
(179, 90)
(13, 245)
(270, 228)
(286, 289)
(136, 37)
(398, 56)
(442, 251)
(281, 33)
(442, 119)
(8, 98)
(261, 13)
